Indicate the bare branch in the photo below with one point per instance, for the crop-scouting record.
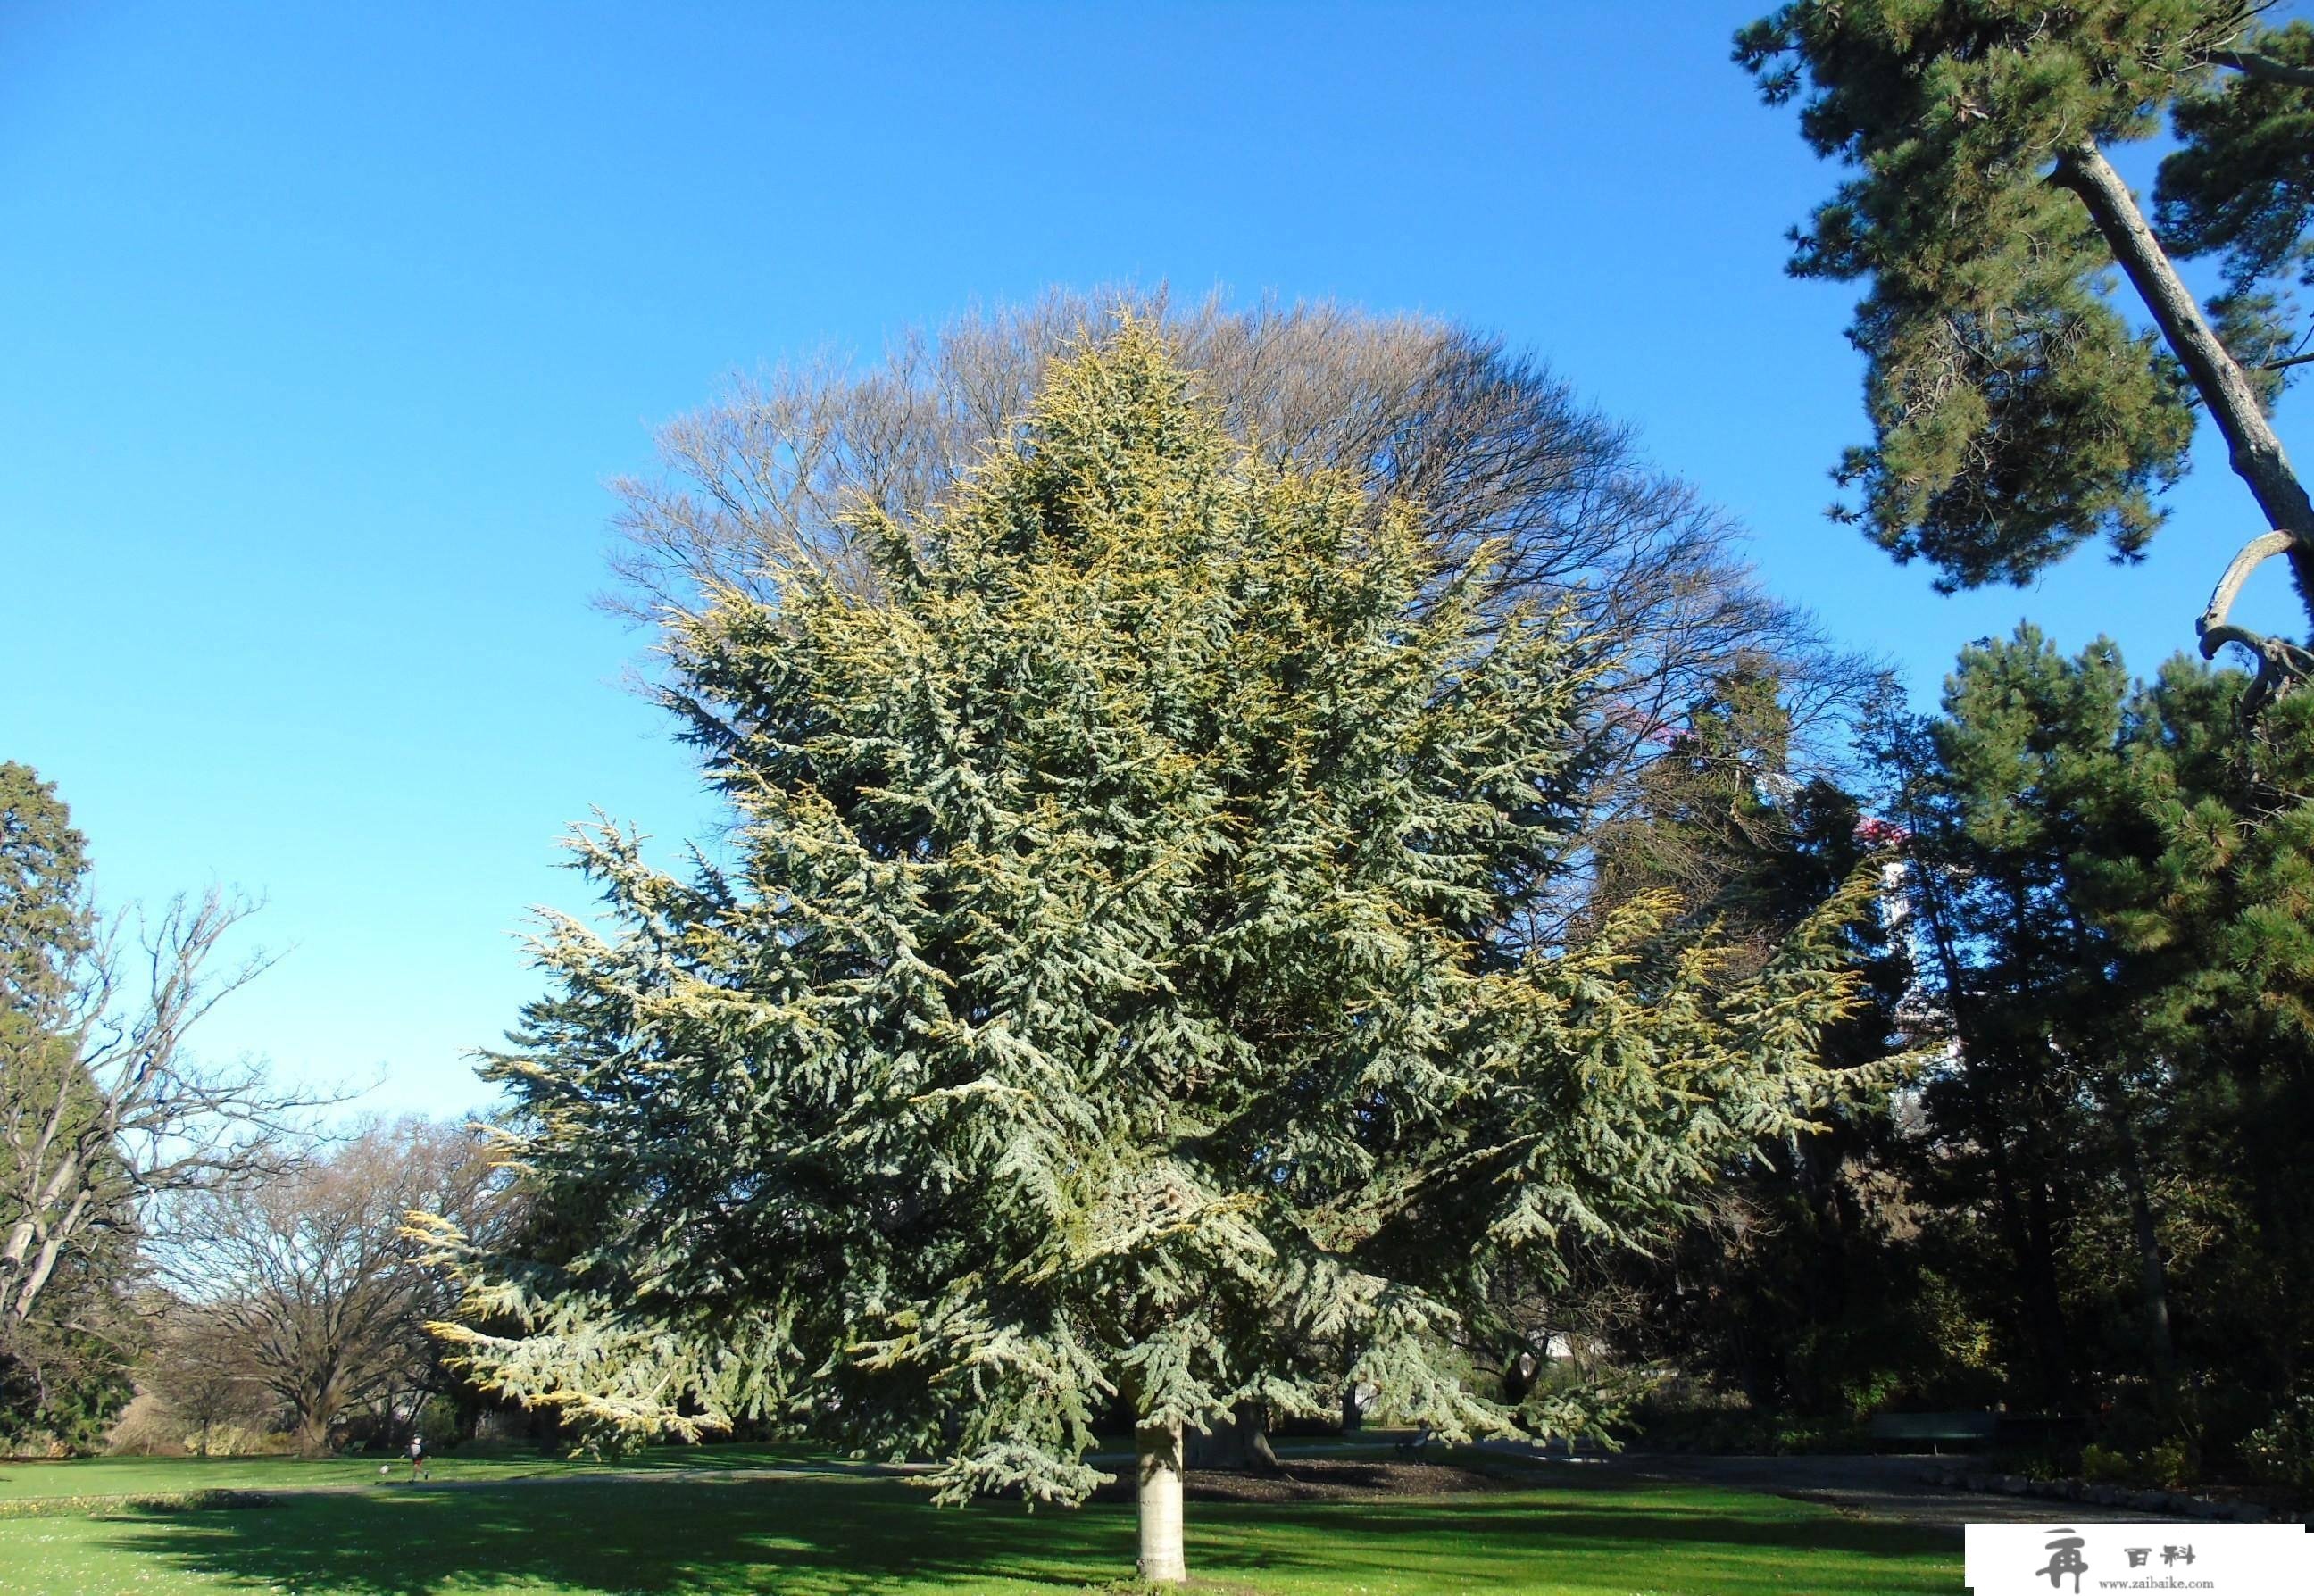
(103, 1110)
(318, 1276)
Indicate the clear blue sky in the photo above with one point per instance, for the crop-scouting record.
(321, 327)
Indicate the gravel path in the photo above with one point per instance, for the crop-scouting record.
(1882, 1487)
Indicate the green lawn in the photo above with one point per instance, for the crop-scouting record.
(702, 1530)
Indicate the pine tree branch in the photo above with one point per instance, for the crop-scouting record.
(2254, 451)
(2266, 68)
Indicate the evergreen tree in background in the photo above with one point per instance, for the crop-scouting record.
(2111, 891)
(1796, 1283)
(2020, 767)
(45, 920)
(1110, 987)
(2015, 411)
(61, 1374)
(2091, 1201)
(2212, 909)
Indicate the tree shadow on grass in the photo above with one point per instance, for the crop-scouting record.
(583, 1535)
(847, 1537)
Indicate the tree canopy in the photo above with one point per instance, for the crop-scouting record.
(2016, 411)
(44, 911)
(2109, 890)
(306, 1288)
(1496, 450)
(1105, 990)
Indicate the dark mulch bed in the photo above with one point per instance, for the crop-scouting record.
(1322, 1480)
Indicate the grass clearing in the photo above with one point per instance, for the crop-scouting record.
(709, 1531)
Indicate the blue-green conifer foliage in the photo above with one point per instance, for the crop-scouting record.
(1112, 986)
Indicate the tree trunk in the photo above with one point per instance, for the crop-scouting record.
(11, 1261)
(2023, 1227)
(35, 1278)
(2043, 1298)
(18, 1287)
(2254, 451)
(2043, 1315)
(2154, 1280)
(314, 1412)
(1158, 1447)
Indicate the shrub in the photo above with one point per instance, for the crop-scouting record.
(2171, 1465)
(72, 1507)
(438, 1421)
(2281, 1452)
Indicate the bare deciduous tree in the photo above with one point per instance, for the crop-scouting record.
(317, 1276)
(102, 1107)
(198, 1371)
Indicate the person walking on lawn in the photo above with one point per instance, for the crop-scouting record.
(417, 1470)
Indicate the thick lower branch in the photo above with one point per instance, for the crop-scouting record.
(2256, 452)
(2271, 68)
